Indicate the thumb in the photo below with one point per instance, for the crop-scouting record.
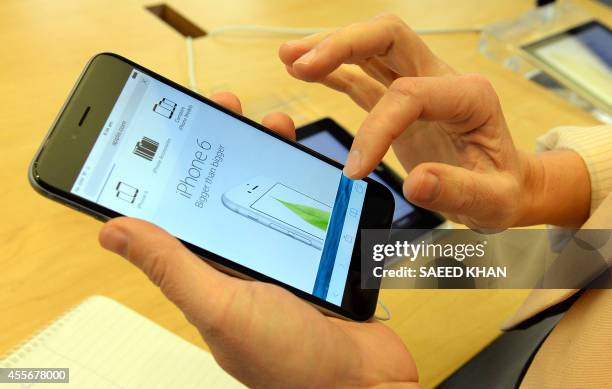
(196, 288)
(449, 189)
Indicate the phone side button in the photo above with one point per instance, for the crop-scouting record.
(300, 238)
(278, 228)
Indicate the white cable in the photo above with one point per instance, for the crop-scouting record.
(450, 30)
(284, 30)
(280, 30)
(193, 85)
(387, 312)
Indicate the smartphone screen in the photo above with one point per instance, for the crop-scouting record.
(296, 209)
(168, 158)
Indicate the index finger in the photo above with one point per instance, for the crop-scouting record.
(464, 103)
(386, 37)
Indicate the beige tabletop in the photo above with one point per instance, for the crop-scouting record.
(50, 259)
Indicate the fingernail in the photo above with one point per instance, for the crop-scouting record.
(306, 58)
(353, 163)
(115, 240)
(424, 189)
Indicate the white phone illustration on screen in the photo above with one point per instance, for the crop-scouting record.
(281, 208)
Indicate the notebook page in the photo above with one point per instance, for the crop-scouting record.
(107, 345)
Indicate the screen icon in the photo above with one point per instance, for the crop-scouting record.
(126, 192)
(165, 108)
(146, 148)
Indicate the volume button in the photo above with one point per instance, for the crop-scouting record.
(278, 228)
(300, 238)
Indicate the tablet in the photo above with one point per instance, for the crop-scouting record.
(581, 59)
(328, 138)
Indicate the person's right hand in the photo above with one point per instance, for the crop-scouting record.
(447, 129)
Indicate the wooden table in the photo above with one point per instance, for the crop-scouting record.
(50, 258)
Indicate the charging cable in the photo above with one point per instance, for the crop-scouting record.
(285, 30)
(265, 30)
(193, 84)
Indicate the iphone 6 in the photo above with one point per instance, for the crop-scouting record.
(131, 142)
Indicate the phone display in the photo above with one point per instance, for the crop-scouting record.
(162, 154)
(300, 212)
(581, 56)
(243, 197)
(281, 208)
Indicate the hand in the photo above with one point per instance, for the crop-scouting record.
(447, 129)
(260, 333)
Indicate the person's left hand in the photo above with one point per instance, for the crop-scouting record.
(260, 333)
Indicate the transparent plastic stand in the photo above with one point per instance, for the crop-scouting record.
(502, 42)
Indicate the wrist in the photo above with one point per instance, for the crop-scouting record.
(531, 180)
(556, 189)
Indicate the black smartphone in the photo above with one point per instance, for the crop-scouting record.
(131, 142)
(332, 140)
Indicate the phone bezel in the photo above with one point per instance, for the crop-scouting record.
(357, 304)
